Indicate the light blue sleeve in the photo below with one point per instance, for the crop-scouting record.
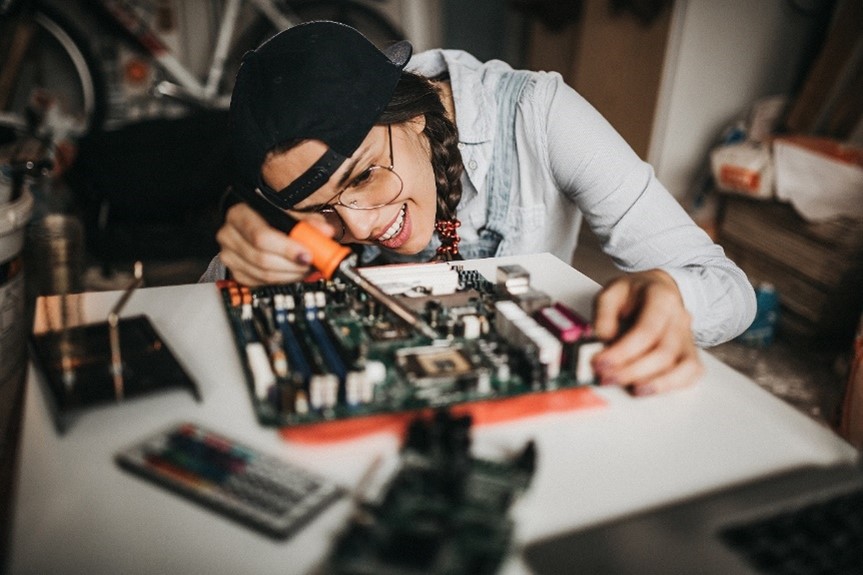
(639, 223)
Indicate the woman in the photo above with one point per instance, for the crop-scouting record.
(441, 156)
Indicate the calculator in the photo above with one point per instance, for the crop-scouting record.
(259, 490)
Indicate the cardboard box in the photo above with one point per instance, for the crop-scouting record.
(817, 268)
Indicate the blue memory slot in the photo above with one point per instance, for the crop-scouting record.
(296, 357)
(327, 348)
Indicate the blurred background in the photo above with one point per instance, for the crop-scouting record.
(127, 162)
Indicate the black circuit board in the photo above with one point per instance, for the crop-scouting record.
(325, 350)
(443, 512)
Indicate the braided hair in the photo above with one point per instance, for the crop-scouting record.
(415, 95)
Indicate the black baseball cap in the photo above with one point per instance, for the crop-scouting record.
(318, 80)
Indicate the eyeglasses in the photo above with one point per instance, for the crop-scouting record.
(376, 187)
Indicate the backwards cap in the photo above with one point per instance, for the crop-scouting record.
(318, 80)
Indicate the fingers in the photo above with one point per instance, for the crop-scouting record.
(672, 363)
(259, 254)
(683, 374)
(650, 310)
(656, 352)
(611, 307)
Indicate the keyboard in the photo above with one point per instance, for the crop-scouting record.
(821, 537)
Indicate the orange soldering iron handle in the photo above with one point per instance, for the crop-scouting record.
(327, 253)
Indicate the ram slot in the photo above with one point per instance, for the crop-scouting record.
(520, 329)
(325, 390)
(295, 392)
(263, 377)
(580, 342)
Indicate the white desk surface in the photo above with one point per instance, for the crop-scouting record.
(77, 512)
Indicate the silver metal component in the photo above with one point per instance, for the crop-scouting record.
(114, 332)
(347, 270)
(513, 279)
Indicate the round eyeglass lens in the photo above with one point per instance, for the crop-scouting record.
(377, 187)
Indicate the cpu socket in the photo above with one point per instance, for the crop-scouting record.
(442, 367)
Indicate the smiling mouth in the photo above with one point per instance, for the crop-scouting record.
(396, 227)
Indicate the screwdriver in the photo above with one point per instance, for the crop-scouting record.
(330, 257)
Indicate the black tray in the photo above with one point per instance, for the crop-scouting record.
(77, 368)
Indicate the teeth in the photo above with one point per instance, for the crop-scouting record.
(396, 227)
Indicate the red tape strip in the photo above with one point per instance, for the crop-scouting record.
(487, 412)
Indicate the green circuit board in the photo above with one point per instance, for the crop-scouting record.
(326, 350)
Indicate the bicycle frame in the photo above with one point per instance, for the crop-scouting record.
(187, 86)
(91, 89)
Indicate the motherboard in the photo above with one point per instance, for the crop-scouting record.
(326, 350)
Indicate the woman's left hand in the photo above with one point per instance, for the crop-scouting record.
(650, 346)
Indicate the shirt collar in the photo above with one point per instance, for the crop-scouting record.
(472, 105)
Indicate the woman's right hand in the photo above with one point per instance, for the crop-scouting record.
(257, 253)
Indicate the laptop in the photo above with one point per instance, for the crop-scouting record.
(807, 520)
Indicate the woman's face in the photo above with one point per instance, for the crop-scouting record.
(405, 225)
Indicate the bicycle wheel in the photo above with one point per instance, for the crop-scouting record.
(55, 68)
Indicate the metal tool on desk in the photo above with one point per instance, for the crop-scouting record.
(330, 257)
(68, 360)
(114, 332)
(84, 365)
